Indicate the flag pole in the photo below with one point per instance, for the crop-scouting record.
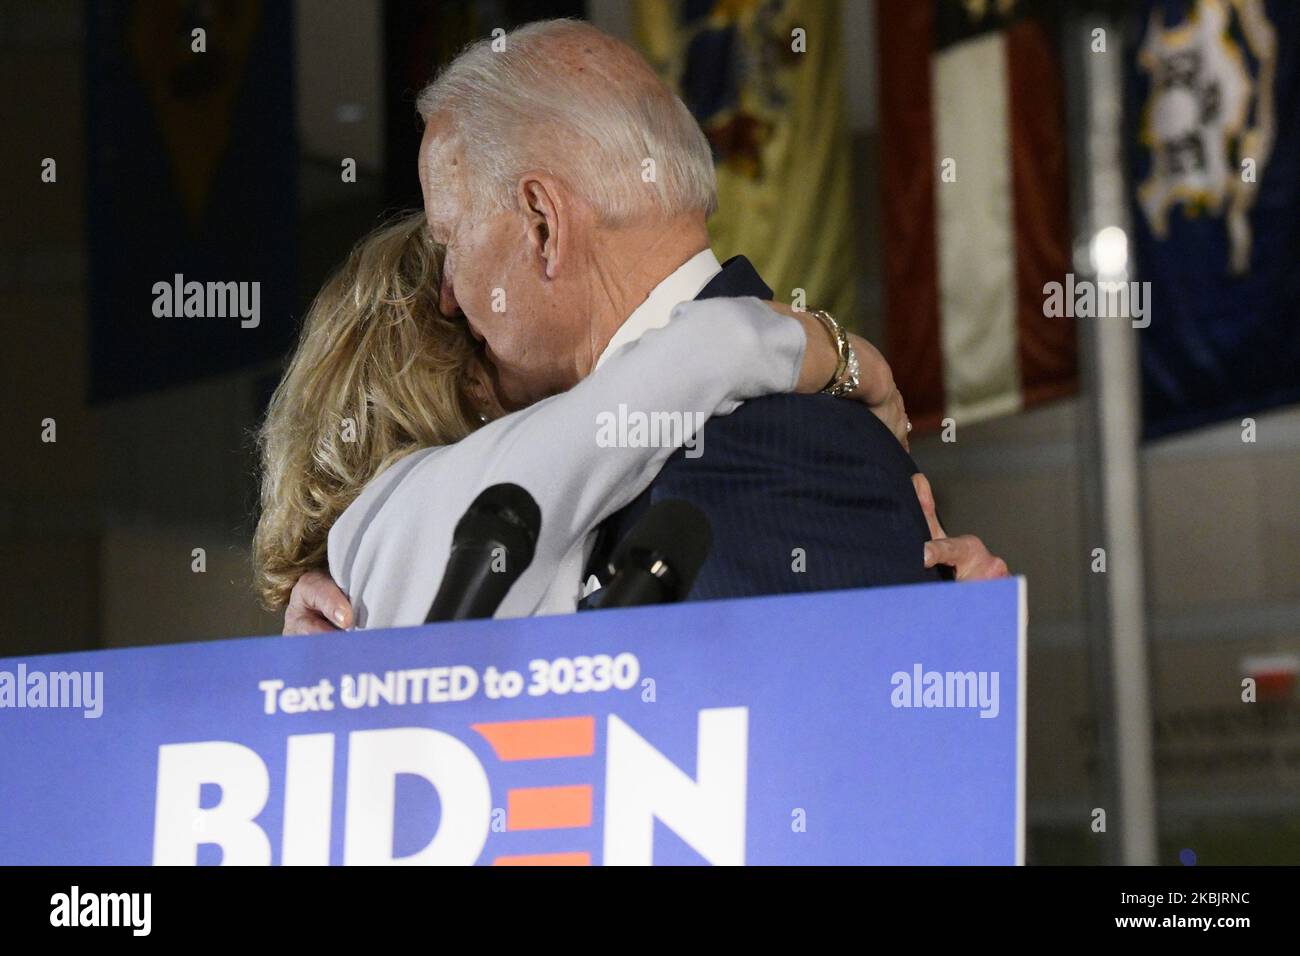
(1111, 465)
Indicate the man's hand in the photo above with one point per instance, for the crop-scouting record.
(967, 554)
(316, 606)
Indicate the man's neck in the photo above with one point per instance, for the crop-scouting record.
(626, 265)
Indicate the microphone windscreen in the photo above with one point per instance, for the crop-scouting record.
(677, 532)
(503, 504)
(502, 522)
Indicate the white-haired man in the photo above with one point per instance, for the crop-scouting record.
(572, 189)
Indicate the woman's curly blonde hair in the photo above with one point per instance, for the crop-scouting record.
(378, 373)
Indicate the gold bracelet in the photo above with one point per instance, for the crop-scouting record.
(841, 340)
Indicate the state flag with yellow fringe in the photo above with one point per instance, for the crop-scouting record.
(764, 78)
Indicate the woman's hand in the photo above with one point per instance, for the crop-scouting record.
(316, 605)
(876, 388)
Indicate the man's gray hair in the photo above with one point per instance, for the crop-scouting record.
(565, 97)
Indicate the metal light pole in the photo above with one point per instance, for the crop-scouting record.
(1110, 447)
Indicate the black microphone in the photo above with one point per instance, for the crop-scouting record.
(492, 546)
(658, 560)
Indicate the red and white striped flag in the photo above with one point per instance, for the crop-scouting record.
(976, 215)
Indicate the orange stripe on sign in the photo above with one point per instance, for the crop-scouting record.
(548, 808)
(545, 859)
(541, 739)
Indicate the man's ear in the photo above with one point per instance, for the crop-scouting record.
(545, 212)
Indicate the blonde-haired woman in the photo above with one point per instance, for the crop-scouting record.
(378, 373)
(386, 426)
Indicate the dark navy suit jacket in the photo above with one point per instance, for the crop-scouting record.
(786, 472)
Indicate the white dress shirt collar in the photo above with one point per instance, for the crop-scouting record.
(682, 285)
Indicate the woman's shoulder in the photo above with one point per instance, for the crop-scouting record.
(377, 493)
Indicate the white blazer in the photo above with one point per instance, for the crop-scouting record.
(389, 549)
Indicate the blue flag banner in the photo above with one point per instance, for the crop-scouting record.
(880, 726)
(1214, 131)
(191, 190)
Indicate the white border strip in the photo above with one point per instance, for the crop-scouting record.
(975, 239)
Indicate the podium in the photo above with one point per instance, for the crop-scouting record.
(881, 726)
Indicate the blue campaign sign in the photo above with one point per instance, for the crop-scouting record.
(876, 726)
